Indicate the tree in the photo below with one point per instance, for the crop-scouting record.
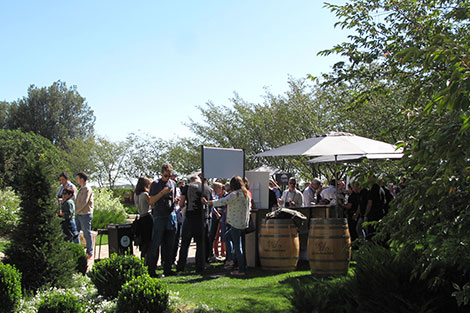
(54, 112)
(15, 146)
(109, 161)
(279, 120)
(146, 154)
(79, 154)
(422, 47)
(3, 114)
(305, 110)
(184, 154)
(37, 247)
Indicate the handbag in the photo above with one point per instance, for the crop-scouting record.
(251, 225)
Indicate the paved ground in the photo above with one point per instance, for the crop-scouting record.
(104, 253)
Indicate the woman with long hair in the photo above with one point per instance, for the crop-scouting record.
(143, 226)
(238, 204)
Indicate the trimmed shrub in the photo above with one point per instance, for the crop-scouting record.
(15, 147)
(10, 288)
(109, 275)
(79, 257)
(37, 248)
(143, 294)
(107, 209)
(60, 302)
(9, 210)
(323, 296)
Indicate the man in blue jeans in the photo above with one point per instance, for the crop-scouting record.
(84, 211)
(162, 199)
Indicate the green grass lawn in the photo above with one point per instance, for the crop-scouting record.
(102, 241)
(258, 291)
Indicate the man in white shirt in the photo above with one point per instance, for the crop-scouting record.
(292, 198)
(312, 193)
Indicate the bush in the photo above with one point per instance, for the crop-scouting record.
(107, 209)
(37, 246)
(143, 294)
(130, 208)
(109, 275)
(122, 193)
(383, 281)
(323, 296)
(79, 257)
(10, 288)
(9, 210)
(386, 282)
(60, 302)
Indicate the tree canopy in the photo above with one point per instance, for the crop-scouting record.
(15, 146)
(421, 47)
(56, 113)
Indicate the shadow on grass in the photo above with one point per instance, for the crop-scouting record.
(217, 270)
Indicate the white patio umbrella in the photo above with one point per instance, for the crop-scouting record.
(335, 145)
(355, 157)
(332, 143)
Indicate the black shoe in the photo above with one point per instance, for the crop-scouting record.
(170, 273)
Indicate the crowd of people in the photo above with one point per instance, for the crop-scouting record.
(357, 202)
(172, 213)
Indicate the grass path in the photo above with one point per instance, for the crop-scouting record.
(259, 291)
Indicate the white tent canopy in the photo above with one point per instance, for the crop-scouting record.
(333, 143)
(266, 168)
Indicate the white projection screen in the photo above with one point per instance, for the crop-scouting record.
(222, 162)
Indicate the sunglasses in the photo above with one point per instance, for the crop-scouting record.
(166, 176)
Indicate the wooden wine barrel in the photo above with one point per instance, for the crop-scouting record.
(329, 246)
(278, 245)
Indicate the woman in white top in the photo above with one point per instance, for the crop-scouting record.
(144, 224)
(238, 204)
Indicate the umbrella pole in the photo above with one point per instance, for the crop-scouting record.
(336, 186)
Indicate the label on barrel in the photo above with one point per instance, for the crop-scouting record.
(274, 245)
(321, 247)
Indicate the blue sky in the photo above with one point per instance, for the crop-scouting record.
(146, 65)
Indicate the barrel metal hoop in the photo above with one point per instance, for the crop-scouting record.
(280, 258)
(279, 235)
(328, 261)
(329, 237)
